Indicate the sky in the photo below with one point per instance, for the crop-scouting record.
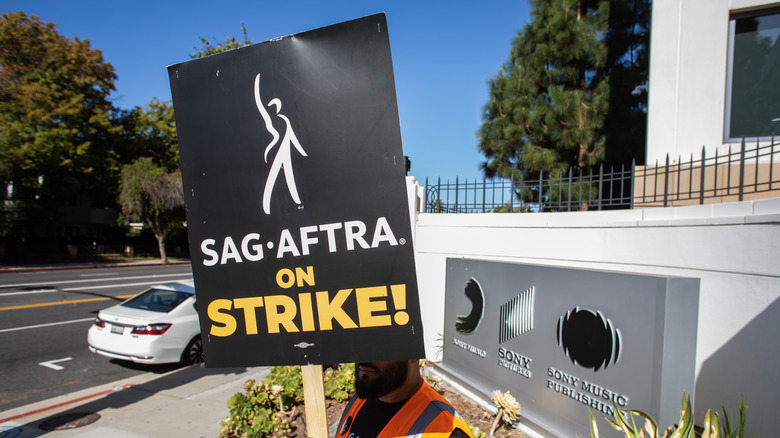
(444, 55)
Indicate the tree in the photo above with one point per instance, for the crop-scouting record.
(149, 193)
(547, 105)
(207, 48)
(55, 116)
(150, 131)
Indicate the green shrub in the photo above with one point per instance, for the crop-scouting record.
(262, 409)
(253, 414)
(339, 383)
(290, 381)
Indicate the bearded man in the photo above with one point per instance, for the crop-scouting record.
(392, 400)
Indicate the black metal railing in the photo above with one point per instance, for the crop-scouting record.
(745, 174)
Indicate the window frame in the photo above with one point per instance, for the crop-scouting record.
(733, 17)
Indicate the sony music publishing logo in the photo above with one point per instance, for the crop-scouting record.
(588, 338)
(516, 316)
(466, 324)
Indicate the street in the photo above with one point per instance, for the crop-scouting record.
(44, 317)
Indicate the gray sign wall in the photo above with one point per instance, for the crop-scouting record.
(563, 341)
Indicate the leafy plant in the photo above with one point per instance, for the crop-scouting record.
(290, 379)
(625, 422)
(508, 409)
(339, 383)
(740, 431)
(265, 409)
(252, 414)
(476, 432)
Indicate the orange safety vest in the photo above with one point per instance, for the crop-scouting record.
(426, 415)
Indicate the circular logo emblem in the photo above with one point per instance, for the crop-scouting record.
(588, 338)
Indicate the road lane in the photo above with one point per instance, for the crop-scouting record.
(17, 296)
(41, 327)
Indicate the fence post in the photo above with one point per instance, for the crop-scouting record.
(755, 180)
(456, 194)
(512, 194)
(438, 195)
(633, 175)
(703, 180)
(425, 197)
(728, 174)
(771, 159)
(601, 182)
(622, 183)
(666, 182)
(715, 177)
(742, 170)
(590, 186)
(484, 188)
(690, 178)
(541, 190)
(569, 201)
(519, 190)
(679, 177)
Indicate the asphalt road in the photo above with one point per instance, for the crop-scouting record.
(44, 317)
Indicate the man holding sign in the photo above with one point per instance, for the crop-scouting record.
(393, 400)
(318, 269)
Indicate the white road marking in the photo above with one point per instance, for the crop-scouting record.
(45, 325)
(48, 283)
(53, 363)
(69, 289)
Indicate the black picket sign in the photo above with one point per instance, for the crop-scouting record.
(297, 212)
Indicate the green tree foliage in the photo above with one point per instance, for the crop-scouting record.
(147, 192)
(207, 48)
(547, 105)
(150, 131)
(55, 115)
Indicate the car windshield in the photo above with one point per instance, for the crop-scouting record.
(157, 300)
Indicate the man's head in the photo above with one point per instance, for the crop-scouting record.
(387, 381)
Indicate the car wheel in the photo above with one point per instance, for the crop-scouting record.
(193, 353)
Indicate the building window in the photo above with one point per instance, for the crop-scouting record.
(753, 84)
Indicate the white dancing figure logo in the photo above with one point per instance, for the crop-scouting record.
(283, 159)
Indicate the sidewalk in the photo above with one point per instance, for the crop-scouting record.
(187, 402)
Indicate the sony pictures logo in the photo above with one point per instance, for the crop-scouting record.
(467, 324)
(588, 338)
(516, 316)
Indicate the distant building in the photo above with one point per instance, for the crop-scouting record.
(714, 76)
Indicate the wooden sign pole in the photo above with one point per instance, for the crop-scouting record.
(314, 401)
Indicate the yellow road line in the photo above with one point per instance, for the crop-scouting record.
(59, 303)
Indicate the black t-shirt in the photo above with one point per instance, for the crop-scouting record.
(374, 416)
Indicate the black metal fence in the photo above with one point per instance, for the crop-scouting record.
(748, 173)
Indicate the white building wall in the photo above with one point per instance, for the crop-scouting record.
(687, 86)
(733, 248)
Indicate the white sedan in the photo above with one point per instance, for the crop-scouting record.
(159, 325)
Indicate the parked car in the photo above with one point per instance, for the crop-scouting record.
(159, 325)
